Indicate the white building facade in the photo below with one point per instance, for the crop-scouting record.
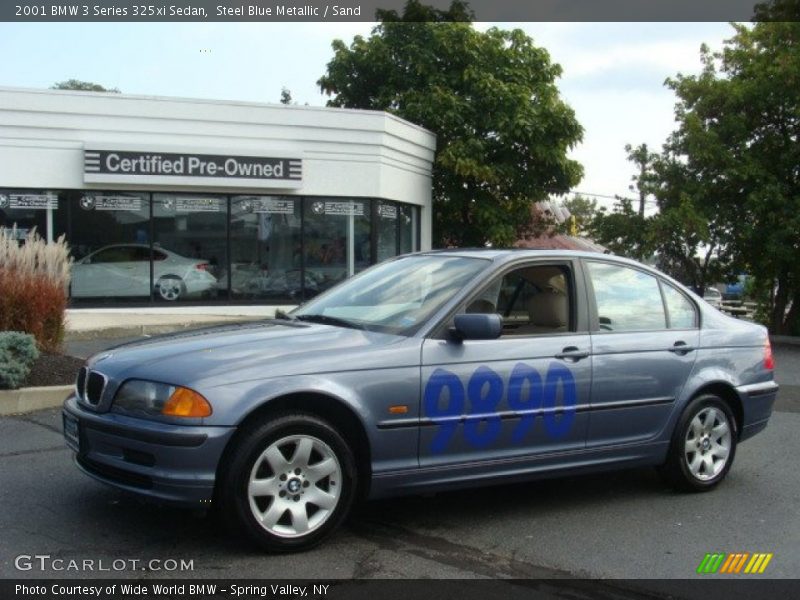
(178, 200)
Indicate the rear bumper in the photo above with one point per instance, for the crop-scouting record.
(757, 402)
(170, 463)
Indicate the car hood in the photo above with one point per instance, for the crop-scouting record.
(250, 351)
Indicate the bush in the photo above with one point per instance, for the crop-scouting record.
(34, 278)
(17, 355)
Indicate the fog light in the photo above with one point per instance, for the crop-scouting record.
(186, 403)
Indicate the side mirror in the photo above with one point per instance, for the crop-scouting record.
(477, 326)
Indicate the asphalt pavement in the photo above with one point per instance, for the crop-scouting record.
(626, 524)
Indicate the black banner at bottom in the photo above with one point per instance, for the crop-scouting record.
(417, 589)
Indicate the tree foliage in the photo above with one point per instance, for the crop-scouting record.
(727, 182)
(582, 212)
(739, 122)
(84, 86)
(502, 130)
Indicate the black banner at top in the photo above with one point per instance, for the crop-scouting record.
(365, 10)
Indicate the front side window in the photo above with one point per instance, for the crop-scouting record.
(535, 299)
(627, 299)
(115, 254)
(398, 296)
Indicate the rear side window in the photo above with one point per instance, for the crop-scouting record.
(680, 310)
(627, 299)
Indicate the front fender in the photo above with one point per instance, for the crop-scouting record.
(367, 394)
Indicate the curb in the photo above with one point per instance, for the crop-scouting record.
(25, 400)
(80, 335)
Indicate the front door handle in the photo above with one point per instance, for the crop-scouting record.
(572, 354)
(680, 347)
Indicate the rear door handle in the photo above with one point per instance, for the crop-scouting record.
(572, 353)
(681, 348)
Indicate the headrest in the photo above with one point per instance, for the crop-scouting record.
(548, 309)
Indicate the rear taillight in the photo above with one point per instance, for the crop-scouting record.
(202, 266)
(769, 361)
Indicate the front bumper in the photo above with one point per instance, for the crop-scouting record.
(162, 461)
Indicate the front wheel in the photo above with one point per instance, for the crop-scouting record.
(289, 484)
(170, 288)
(703, 445)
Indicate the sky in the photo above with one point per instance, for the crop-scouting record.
(613, 73)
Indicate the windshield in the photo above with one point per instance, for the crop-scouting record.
(395, 297)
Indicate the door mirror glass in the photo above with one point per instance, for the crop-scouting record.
(477, 326)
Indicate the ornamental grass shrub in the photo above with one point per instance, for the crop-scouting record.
(17, 354)
(34, 280)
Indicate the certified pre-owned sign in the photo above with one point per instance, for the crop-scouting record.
(101, 166)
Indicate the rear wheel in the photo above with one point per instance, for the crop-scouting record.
(703, 445)
(289, 484)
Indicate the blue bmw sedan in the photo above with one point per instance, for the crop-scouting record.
(432, 371)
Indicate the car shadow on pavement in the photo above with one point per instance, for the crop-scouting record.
(138, 524)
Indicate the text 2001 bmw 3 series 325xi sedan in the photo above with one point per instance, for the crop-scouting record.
(432, 371)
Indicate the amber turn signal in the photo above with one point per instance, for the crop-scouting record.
(186, 403)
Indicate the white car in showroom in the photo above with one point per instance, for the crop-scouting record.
(124, 270)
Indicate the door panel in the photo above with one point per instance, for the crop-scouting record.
(640, 364)
(637, 377)
(504, 398)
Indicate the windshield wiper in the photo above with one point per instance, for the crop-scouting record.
(284, 316)
(328, 320)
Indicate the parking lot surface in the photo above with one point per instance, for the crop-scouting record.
(621, 525)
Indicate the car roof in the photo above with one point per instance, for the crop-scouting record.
(134, 245)
(508, 254)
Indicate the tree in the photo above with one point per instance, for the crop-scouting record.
(687, 238)
(85, 86)
(286, 96)
(502, 130)
(643, 181)
(623, 231)
(582, 212)
(738, 134)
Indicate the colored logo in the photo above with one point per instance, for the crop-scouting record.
(734, 564)
(87, 202)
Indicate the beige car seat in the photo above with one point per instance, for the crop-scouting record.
(548, 312)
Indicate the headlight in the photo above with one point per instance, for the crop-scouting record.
(148, 398)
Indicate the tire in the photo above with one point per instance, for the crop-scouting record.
(170, 288)
(293, 464)
(701, 451)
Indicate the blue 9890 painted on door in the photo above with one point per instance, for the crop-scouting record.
(479, 406)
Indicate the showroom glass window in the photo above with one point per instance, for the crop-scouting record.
(25, 210)
(191, 232)
(386, 216)
(108, 234)
(336, 241)
(266, 249)
(409, 228)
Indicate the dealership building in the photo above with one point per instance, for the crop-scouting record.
(200, 201)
